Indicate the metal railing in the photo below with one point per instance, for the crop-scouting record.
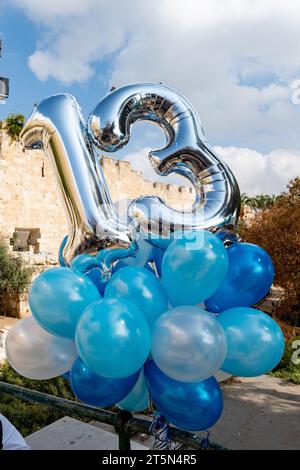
(125, 424)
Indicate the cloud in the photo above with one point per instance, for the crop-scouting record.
(255, 172)
(259, 173)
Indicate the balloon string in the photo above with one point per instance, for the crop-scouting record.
(159, 428)
(205, 442)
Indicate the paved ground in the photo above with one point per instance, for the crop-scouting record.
(71, 434)
(259, 413)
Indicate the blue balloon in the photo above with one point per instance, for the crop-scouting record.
(255, 343)
(99, 391)
(58, 298)
(83, 263)
(158, 255)
(138, 398)
(66, 375)
(140, 287)
(191, 406)
(194, 267)
(141, 257)
(96, 277)
(113, 338)
(249, 277)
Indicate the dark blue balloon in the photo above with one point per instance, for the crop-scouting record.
(249, 277)
(96, 277)
(158, 254)
(89, 266)
(66, 375)
(193, 406)
(96, 390)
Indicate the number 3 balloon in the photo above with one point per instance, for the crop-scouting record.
(187, 153)
(58, 125)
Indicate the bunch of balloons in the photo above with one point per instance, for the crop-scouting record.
(162, 330)
(175, 311)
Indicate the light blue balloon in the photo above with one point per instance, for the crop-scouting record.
(188, 344)
(58, 298)
(191, 406)
(138, 398)
(255, 343)
(98, 391)
(140, 287)
(249, 278)
(194, 267)
(113, 338)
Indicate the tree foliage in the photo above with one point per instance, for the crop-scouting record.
(14, 125)
(15, 276)
(277, 230)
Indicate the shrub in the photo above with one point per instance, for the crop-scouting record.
(15, 276)
(30, 417)
(277, 230)
(14, 125)
(286, 369)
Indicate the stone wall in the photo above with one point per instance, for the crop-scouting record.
(29, 197)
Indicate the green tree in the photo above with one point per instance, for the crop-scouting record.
(15, 276)
(14, 125)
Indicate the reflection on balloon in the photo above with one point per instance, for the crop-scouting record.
(138, 398)
(188, 344)
(193, 267)
(35, 353)
(58, 298)
(140, 287)
(249, 277)
(254, 340)
(113, 338)
(191, 406)
(99, 391)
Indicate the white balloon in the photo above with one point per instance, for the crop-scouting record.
(35, 353)
(188, 344)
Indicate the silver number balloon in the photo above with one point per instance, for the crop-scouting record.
(187, 153)
(57, 125)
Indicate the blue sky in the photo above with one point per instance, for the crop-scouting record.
(20, 36)
(236, 63)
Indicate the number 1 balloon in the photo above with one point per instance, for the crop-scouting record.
(57, 124)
